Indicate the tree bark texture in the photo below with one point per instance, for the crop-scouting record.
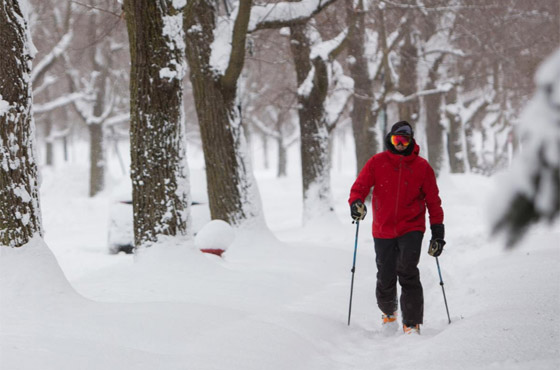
(408, 76)
(97, 159)
(455, 136)
(20, 217)
(100, 57)
(160, 185)
(434, 128)
(282, 158)
(363, 122)
(314, 133)
(232, 190)
(434, 131)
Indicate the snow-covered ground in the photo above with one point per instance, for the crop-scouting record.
(278, 299)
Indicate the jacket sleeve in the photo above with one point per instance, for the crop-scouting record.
(433, 201)
(363, 183)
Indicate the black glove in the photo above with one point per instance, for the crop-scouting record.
(358, 210)
(437, 242)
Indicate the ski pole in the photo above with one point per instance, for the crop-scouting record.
(443, 290)
(353, 270)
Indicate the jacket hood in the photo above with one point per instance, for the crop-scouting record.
(403, 128)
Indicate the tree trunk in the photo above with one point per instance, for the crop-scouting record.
(434, 131)
(65, 147)
(434, 128)
(313, 127)
(49, 140)
(282, 157)
(101, 61)
(472, 155)
(363, 122)
(49, 160)
(455, 137)
(232, 190)
(96, 159)
(409, 111)
(20, 217)
(266, 161)
(159, 173)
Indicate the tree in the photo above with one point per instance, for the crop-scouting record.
(20, 217)
(48, 94)
(160, 186)
(363, 122)
(369, 51)
(101, 101)
(215, 48)
(316, 72)
(532, 189)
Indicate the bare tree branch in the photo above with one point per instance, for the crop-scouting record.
(239, 37)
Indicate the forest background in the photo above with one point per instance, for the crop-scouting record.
(278, 74)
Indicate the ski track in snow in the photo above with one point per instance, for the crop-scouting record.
(283, 304)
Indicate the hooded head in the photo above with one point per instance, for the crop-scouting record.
(400, 128)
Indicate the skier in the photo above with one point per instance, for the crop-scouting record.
(404, 184)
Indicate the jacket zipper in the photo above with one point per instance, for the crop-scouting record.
(398, 195)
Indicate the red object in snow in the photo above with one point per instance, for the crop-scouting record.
(217, 252)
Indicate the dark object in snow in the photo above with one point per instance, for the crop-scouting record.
(121, 231)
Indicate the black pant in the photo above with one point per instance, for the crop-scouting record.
(399, 257)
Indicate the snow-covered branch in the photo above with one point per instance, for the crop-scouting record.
(425, 9)
(47, 81)
(327, 50)
(118, 118)
(284, 13)
(338, 100)
(455, 52)
(392, 41)
(57, 134)
(466, 113)
(263, 128)
(397, 97)
(42, 67)
(59, 102)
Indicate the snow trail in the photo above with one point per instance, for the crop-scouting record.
(279, 301)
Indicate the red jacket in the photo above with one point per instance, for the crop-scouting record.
(403, 186)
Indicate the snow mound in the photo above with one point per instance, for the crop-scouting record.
(32, 273)
(216, 234)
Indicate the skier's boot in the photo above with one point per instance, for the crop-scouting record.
(414, 329)
(387, 319)
(389, 325)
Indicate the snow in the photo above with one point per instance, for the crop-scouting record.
(173, 31)
(4, 106)
(283, 11)
(221, 46)
(276, 300)
(216, 234)
(307, 86)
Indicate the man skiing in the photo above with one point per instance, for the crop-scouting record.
(404, 185)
